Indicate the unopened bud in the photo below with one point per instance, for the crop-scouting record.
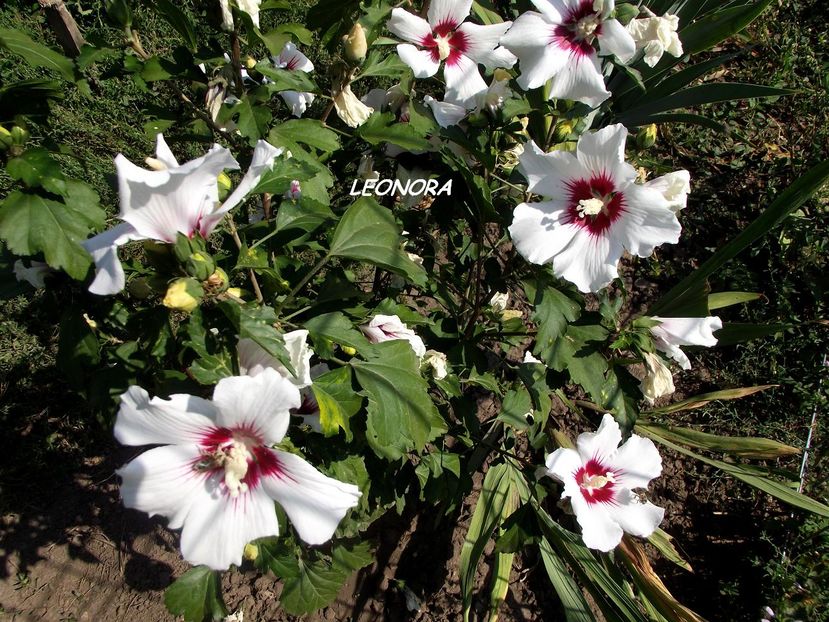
(200, 265)
(236, 292)
(19, 135)
(5, 138)
(183, 294)
(250, 62)
(562, 131)
(218, 280)
(646, 136)
(626, 12)
(348, 350)
(355, 44)
(251, 552)
(224, 184)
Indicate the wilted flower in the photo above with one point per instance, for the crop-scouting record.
(350, 109)
(674, 187)
(658, 380)
(387, 327)
(499, 301)
(673, 332)
(655, 36)
(496, 93)
(599, 477)
(447, 37)
(594, 213)
(35, 275)
(160, 204)
(216, 475)
(557, 45)
(437, 361)
(292, 59)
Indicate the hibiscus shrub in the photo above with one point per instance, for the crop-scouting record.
(425, 272)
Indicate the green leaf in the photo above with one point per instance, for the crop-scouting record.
(737, 332)
(699, 401)
(286, 80)
(401, 415)
(727, 299)
(253, 117)
(213, 362)
(337, 401)
(749, 476)
(382, 128)
(368, 232)
(353, 556)
(309, 132)
(179, 20)
(337, 328)
(745, 447)
(502, 488)
(664, 544)
(578, 352)
(31, 224)
(572, 600)
(789, 201)
(33, 166)
(515, 407)
(256, 322)
(78, 347)
(715, 28)
(36, 54)
(553, 310)
(196, 595)
(378, 65)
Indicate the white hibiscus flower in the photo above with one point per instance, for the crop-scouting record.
(673, 332)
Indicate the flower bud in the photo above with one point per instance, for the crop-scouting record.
(5, 138)
(562, 131)
(218, 281)
(250, 62)
(19, 135)
(183, 294)
(437, 363)
(200, 265)
(251, 552)
(355, 45)
(348, 350)
(236, 292)
(626, 12)
(184, 246)
(646, 136)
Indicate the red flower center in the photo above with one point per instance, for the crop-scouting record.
(578, 30)
(220, 446)
(446, 42)
(596, 482)
(594, 204)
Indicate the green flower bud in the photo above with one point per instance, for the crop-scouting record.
(183, 294)
(625, 12)
(562, 130)
(5, 138)
(185, 246)
(646, 136)
(251, 552)
(19, 135)
(200, 265)
(224, 186)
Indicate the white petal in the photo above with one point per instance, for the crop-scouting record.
(482, 44)
(674, 187)
(294, 60)
(162, 481)
(448, 12)
(261, 403)
(554, 10)
(296, 342)
(590, 261)
(109, 273)
(537, 232)
(599, 529)
(563, 463)
(615, 40)
(35, 275)
(528, 40)
(601, 444)
(163, 153)
(297, 102)
(218, 525)
(603, 151)
(182, 419)
(580, 79)
(636, 517)
(463, 81)
(263, 157)
(646, 221)
(421, 61)
(688, 331)
(160, 204)
(408, 26)
(547, 173)
(446, 113)
(315, 503)
(636, 462)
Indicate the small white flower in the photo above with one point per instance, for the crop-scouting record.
(592, 212)
(437, 361)
(674, 187)
(215, 474)
(673, 332)
(350, 109)
(387, 327)
(658, 380)
(254, 359)
(160, 204)
(292, 59)
(599, 477)
(445, 36)
(557, 44)
(655, 36)
(499, 301)
(35, 275)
